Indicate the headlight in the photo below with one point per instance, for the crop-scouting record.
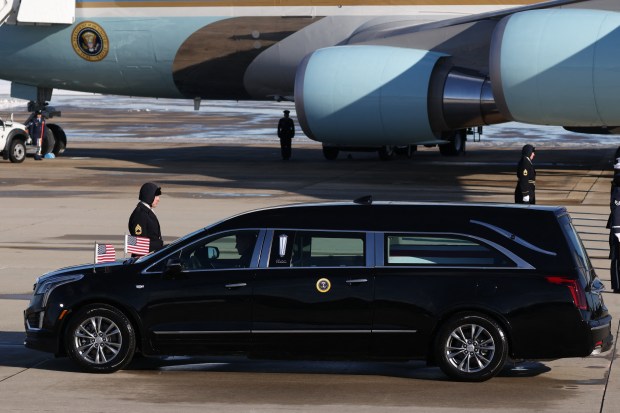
(47, 286)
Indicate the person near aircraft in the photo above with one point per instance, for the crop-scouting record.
(525, 191)
(286, 132)
(613, 224)
(36, 129)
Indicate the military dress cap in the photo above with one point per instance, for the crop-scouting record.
(287, 111)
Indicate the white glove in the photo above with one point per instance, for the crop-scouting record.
(617, 235)
(526, 198)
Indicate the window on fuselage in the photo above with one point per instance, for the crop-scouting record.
(408, 249)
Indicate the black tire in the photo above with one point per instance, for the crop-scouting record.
(456, 144)
(17, 150)
(330, 152)
(48, 142)
(60, 137)
(471, 347)
(100, 339)
(386, 153)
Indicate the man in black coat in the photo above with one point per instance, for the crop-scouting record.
(525, 192)
(286, 132)
(613, 223)
(143, 222)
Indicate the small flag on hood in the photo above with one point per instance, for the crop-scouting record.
(104, 253)
(137, 245)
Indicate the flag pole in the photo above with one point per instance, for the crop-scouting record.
(95, 258)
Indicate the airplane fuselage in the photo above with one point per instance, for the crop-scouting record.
(208, 49)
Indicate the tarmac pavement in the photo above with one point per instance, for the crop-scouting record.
(54, 211)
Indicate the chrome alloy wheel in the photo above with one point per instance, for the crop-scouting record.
(470, 348)
(98, 340)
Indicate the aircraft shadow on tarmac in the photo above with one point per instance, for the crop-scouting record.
(433, 177)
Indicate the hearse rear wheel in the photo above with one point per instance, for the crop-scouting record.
(471, 347)
(100, 339)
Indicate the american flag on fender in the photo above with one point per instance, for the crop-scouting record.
(137, 245)
(104, 253)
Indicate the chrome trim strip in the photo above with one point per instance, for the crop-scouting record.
(165, 333)
(601, 327)
(513, 237)
(237, 285)
(311, 331)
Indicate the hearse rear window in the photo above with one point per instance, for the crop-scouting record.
(409, 249)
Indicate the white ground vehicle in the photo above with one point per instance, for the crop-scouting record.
(15, 145)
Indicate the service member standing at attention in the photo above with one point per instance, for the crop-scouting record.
(143, 222)
(286, 132)
(525, 192)
(613, 223)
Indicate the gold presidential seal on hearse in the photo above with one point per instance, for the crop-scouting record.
(90, 41)
(323, 285)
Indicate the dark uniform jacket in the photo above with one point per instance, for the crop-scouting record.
(526, 177)
(36, 129)
(286, 128)
(143, 222)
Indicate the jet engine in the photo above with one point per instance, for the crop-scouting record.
(378, 95)
(549, 67)
(558, 67)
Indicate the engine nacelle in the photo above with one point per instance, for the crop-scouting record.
(558, 67)
(366, 95)
(380, 95)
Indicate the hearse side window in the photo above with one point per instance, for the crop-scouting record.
(410, 249)
(230, 250)
(317, 249)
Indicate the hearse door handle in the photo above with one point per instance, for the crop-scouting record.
(237, 285)
(357, 281)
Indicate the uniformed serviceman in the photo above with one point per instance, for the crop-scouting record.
(613, 223)
(286, 132)
(525, 192)
(143, 222)
(36, 129)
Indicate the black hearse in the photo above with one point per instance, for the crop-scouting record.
(464, 286)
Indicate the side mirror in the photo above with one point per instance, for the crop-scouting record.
(173, 267)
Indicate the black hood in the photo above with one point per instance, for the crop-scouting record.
(148, 192)
(528, 150)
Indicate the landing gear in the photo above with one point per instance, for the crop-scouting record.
(330, 152)
(386, 152)
(456, 143)
(55, 140)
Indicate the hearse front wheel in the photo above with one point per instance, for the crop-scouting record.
(471, 347)
(100, 339)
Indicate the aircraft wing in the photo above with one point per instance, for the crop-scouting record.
(552, 63)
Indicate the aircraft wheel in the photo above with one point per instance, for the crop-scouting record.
(60, 137)
(330, 152)
(48, 142)
(386, 153)
(456, 144)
